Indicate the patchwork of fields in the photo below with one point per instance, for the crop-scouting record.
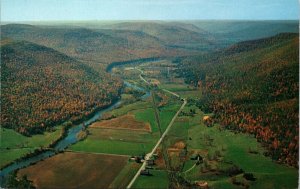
(129, 130)
(132, 130)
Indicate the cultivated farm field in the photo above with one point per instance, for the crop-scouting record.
(73, 170)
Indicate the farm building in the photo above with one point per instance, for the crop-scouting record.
(206, 118)
(138, 159)
(145, 172)
(155, 156)
(208, 121)
(202, 184)
(150, 162)
(196, 157)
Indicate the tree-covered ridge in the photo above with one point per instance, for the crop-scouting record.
(253, 87)
(41, 87)
(93, 45)
(170, 33)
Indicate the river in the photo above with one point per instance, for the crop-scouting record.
(70, 139)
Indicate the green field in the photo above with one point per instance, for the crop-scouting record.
(128, 142)
(166, 114)
(117, 142)
(125, 176)
(190, 94)
(124, 109)
(14, 145)
(125, 142)
(220, 148)
(158, 180)
(234, 148)
(174, 87)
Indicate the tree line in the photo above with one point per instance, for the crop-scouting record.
(253, 90)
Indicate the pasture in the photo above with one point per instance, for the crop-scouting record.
(237, 150)
(14, 145)
(157, 180)
(116, 141)
(124, 136)
(125, 176)
(223, 149)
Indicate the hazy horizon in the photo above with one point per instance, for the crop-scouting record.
(151, 10)
(119, 21)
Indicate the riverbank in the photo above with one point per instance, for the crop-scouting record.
(15, 146)
(66, 138)
(41, 147)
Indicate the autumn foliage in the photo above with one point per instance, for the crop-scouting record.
(253, 87)
(41, 87)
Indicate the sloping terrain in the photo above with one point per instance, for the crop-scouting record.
(101, 45)
(173, 34)
(41, 87)
(253, 87)
(232, 31)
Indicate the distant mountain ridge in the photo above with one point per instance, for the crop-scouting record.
(260, 43)
(100, 45)
(174, 33)
(233, 31)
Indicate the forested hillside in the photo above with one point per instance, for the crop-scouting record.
(233, 31)
(172, 34)
(253, 87)
(41, 87)
(99, 46)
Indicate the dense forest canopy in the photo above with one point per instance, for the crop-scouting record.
(253, 87)
(105, 42)
(105, 45)
(41, 87)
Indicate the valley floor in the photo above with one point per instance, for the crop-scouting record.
(131, 130)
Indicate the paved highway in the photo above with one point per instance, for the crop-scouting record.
(149, 155)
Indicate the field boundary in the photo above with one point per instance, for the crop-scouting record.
(149, 155)
(96, 153)
(128, 129)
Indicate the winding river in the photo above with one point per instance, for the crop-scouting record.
(71, 137)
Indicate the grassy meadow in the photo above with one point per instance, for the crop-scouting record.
(223, 149)
(129, 141)
(157, 180)
(14, 145)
